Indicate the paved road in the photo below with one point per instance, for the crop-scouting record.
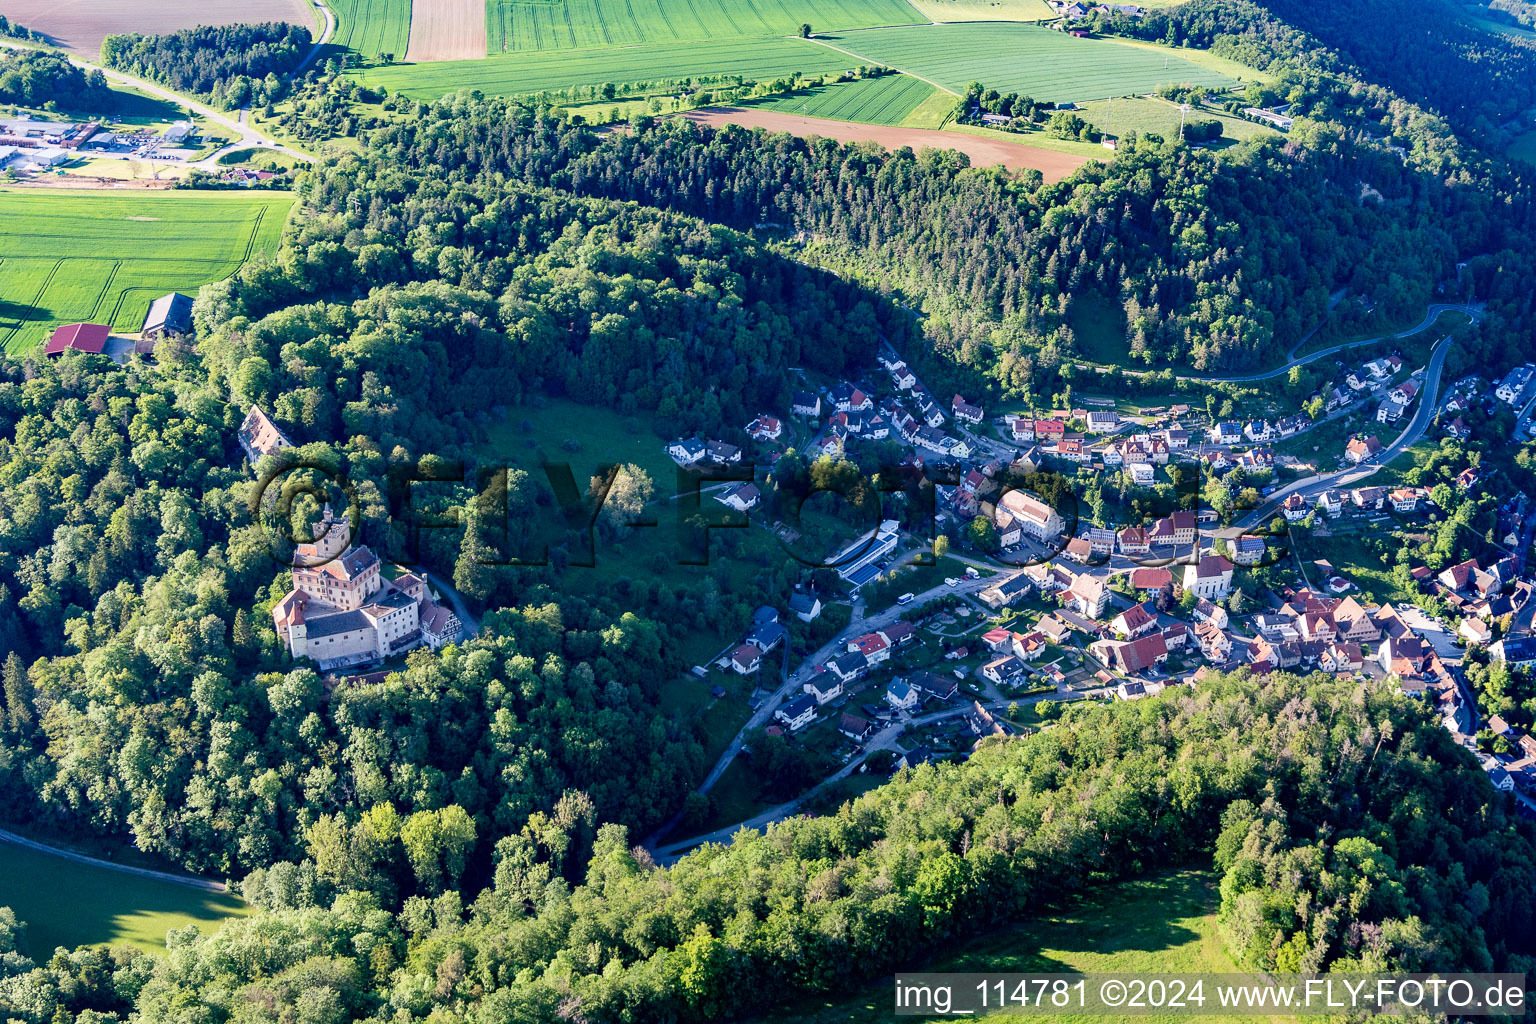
(1475, 311)
(325, 36)
(246, 137)
(160, 876)
(797, 679)
(885, 739)
(1313, 485)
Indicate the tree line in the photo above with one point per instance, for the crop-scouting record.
(230, 64)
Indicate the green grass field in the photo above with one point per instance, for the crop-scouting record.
(67, 256)
(985, 10)
(522, 25)
(887, 100)
(1523, 148)
(1161, 924)
(67, 903)
(1123, 116)
(372, 27)
(1026, 59)
(754, 59)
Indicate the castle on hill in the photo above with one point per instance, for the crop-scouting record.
(342, 612)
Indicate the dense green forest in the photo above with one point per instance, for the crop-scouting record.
(232, 65)
(38, 78)
(1349, 832)
(456, 840)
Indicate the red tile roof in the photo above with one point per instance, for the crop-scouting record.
(80, 337)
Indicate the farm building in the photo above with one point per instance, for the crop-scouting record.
(79, 337)
(170, 316)
(260, 436)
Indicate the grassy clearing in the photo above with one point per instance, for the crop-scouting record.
(932, 112)
(1205, 58)
(372, 27)
(531, 25)
(888, 100)
(1026, 59)
(1162, 924)
(1523, 148)
(103, 256)
(66, 903)
(755, 59)
(1143, 116)
(984, 10)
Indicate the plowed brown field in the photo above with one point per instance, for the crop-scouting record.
(80, 25)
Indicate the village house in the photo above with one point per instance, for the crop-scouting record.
(848, 666)
(1006, 591)
(805, 605)
(902, 377)
(1029, 646)
(805, 403)
(824, 687)
(1359, 449)
(1102, 421)
(855, 728)
(1368, 499)
(1247, 550)
(1131, 656)
(902, 696)
(1078, 550)
(1151, 579)
(259, 436)
(874, 647)
(999, 670)
(1226, 433)
(687, 451)
(1215, 646)
(797, 713)
(1206, 610)
(743, 498)
(1134, 540)
(1133, 622)
(765, 428)
(1258, 431)
(746, 659)
(965, 412)
(1050, 429)
(1088, 596)
(1331, 502)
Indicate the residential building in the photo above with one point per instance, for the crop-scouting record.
(1134, 621)
(805, 403)
(902, 377)
(1134, 540)
(965, 412)
(1226, 433)
(687, 451)
(1103, 421)
(765, 428)
(1088, 596)
(998, 670)
(902, 696)
(1006, 591)
(806, 606)
(746, 659)
(1247, 550)
(1131, 656)
(1359, 449)
(797, 713)
(848, 666)
(259, 436)
(742, 498)
(855, 728)
(1295, 508)
(824, 687)
(1512, 388)
(1331, 502)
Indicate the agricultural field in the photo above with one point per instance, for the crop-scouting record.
(372, 27)
(534, 72)
(79, 26)
(447, 30)
(1026, 59)
(52, 270)
(68, 903)
(984, 10)
(1143, 115)
(888, 100)
(519, 25)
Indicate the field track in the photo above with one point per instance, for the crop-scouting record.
(446, 30)
(80, 25)
(984, 152)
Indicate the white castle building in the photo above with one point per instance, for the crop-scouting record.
(343, 613)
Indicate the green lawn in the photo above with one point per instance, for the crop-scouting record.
(66, 903)
(1123, 116)
(1027, 59)
(523, 25)
(372, 27)
(67, 256)
(1161, 924)
(985, 10)
(754, 59)
(888, 100)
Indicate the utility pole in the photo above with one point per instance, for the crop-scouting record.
(1183, 109)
